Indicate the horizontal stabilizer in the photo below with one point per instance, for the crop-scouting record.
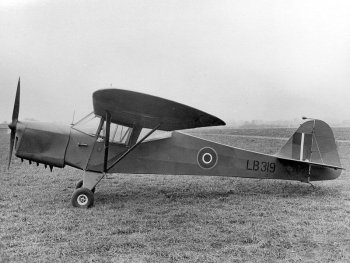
(313, 163)
(312, 143)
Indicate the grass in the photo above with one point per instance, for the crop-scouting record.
(150, 218)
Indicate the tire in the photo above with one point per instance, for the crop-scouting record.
(80, 184)
(83, 198)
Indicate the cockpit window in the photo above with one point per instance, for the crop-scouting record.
(89, 124)
(118, 133)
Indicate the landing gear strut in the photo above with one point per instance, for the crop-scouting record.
(80, 184)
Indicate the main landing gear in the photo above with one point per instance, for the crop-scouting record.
(83, 196)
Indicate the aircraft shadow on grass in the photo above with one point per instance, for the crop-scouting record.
(272, 189)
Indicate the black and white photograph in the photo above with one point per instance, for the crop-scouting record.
(174, 131)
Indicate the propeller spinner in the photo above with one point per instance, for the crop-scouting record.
(13, 124)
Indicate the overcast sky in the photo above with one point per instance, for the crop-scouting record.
(238, 60)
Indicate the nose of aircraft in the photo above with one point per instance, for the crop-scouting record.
(40, 142)
(20, 126)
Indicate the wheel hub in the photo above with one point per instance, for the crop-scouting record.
(82, 199)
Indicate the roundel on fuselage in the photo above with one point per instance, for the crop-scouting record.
(207, 158)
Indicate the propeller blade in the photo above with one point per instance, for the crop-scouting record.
(17, 99)
(12, 141)
(13, 124)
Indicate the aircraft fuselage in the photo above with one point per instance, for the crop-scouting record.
(177, 154)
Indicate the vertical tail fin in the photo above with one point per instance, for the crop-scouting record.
(312, 142)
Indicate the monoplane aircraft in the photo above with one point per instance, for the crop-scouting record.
(136, 133)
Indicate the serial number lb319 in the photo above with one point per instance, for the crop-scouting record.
(258, 166)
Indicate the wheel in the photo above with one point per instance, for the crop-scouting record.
(80, 184)
(83, 197)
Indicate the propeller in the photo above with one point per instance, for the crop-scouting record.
(13, 124)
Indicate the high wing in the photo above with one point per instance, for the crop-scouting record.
(137, 109)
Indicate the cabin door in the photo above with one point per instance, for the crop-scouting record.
(119, 141)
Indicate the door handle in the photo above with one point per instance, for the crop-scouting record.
(82, 144)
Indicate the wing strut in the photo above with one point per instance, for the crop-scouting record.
(108, 125)
(133, 147)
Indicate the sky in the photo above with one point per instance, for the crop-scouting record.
(238, 60)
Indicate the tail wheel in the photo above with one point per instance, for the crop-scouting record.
(80, 185)
(83, 198)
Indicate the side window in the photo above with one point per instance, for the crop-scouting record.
(158, 134)
(118, 133)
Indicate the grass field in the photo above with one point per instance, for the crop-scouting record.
(149, 218)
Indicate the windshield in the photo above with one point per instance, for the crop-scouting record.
(89, 125)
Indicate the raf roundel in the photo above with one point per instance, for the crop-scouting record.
(207, 158)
